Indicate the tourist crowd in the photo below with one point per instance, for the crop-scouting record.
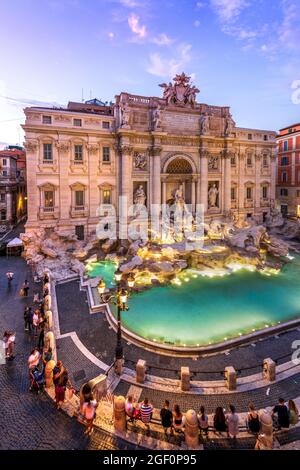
(261, 424)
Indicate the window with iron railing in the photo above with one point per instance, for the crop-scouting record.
(47, 152)
(106, 155)
(49, 199)
(79, 199)
(78, 153)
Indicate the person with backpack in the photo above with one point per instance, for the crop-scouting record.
(166, 417)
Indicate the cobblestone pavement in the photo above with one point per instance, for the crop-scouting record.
(96, 334)
(30, 421)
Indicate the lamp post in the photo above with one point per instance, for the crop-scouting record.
(120, 299)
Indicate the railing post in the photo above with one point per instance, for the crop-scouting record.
(191, 429)
(230, 378)
(119, 414)
(185, 378)
(140, 371)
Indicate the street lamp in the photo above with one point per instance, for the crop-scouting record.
(120, 299)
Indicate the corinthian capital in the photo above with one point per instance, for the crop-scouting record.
(204, 153)
(31, 145)
(127, 149)
(155, 151)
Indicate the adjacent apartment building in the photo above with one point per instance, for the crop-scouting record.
(288, 171)
(149, 149)
(12, 187)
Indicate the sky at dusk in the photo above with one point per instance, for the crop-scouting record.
(240, 53)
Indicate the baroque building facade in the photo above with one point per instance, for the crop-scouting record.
(147, 149)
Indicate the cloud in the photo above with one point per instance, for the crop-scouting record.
(167, 67)
(162, 40)
(129, 3)
(228, 10)
(134, 24)
(197, 23)
(289, 32)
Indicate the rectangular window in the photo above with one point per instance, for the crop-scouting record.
(284, 161)
(4, 173)
(298, 193)
(106, 154)
(249, 136)
(284, 192)
(78, 153)
(106, 196)
(265, 137)
(284, 177)
(49, 198)
(265, 192)
(105, 124)
(233, 191)
(47, 152)
(3, 215)
(79, 231)
(4, 162)
(2, 197)
(77, 122)
(79, 198)
(249, 193)
(285, 146)
(249, 160)
(233, 160)
(47, 120)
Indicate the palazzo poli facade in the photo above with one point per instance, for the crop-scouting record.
(144, 148)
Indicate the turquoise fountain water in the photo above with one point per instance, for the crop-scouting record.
(204, 310)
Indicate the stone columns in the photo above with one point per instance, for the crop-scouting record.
(227, 182)
(63, 197)
(164, 192)
(191, 429)
(119, 414)
(193, 195)
(204, 179)
(126, 187)
(257, 182)
(126, 190)
(241, 187)
(273, 177)
(156, 188)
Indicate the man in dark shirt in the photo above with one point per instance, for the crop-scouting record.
(166, 417)
(282, 414)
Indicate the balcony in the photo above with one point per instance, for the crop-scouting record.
(48, 213)
(264, 202)
(79, 211)
(249, 203)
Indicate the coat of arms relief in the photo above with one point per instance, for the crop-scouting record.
(181, 92)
